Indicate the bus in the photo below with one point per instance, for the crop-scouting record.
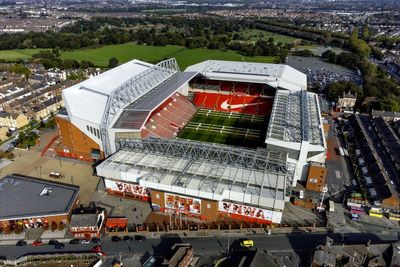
(375, 213)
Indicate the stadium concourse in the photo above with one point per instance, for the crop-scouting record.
(221, 139)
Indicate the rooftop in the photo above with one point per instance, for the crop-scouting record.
(203, 170)
(26, 197)
(136, 113)
(78, 220)
(295, 118)
(275, 75)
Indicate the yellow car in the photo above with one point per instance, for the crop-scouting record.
(247, 243)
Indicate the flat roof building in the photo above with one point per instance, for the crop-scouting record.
(28, 198)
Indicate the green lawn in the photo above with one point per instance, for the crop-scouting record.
(18, 53)
(153, 54)
(254, 35)
(125, 52)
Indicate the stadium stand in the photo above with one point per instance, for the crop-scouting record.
(254, 89)
(169, 118)
(246, 104)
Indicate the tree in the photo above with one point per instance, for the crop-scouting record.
(113, 62)
(53, 226)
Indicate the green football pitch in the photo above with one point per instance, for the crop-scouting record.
(226, 128)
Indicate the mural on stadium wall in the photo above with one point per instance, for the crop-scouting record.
(185, 204)
(127, 188)
(243, 210)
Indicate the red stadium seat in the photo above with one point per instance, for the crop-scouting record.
(238, 102)
(169, 117)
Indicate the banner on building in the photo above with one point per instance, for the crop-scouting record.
(248, 211)
(184, 204)
(126, 188)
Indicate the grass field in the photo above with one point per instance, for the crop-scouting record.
(254, 35)
(125, 52)
(18, 54)
(221, 127)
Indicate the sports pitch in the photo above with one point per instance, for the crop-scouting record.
(226, 128)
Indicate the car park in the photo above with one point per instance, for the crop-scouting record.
(140, 238)
(74, 241)
(115, 239)
(59, 246)
(21, 243)
(128, 238)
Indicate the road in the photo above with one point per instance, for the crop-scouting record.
(298, 243)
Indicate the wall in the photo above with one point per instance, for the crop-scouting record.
(74, 143)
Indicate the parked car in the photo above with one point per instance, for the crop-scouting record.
(59, 246)
(247, 243)
(115, 239)
(74, 241)
(21, 243)
(37, 243)
(95, 240)
(128, 238)
(85, 241)
(53, 242)
(140, 238)
(97, 249)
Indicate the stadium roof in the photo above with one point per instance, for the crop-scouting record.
(295, 118)
(136, 114)
(203, 170)
(87, 100)
(27, 197)
(276, 75)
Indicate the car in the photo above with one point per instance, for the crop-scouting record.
(97, 249)
(115, 239)
(74, 241)
(247, 243)
(140, 238)
(193, 227)
(37, 243)
(53, 242)
(21, 243)
(85, 241)
(128, 238)
(59, 245)
(95, 240)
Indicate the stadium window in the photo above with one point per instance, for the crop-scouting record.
(208, 206)
(98, 133)
(91, 129)
(87, 127)
(157, 195)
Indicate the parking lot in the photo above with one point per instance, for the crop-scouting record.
(319, 71)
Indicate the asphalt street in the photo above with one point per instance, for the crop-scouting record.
(298, 243)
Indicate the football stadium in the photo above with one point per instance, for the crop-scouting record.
(220, 139)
